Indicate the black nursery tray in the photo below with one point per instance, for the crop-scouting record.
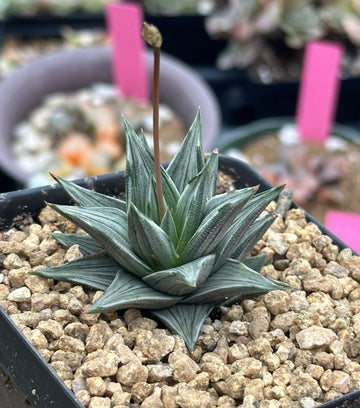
(26, 380)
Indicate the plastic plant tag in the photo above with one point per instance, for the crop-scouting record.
(124, 22)
(319, 90)
(346, 226)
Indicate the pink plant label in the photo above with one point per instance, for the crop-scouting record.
(346, 226)
(319, 89)
(124, 21)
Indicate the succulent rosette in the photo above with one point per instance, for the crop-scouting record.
(180, 266)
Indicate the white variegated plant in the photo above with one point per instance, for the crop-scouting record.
(181, 259)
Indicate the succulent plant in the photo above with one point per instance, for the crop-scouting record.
(173, 247)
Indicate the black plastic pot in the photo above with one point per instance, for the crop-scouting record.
(29, 379)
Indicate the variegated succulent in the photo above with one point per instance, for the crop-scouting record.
(182, 266)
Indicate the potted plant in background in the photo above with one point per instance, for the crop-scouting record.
(284, 347)
(57, 73)
(267, 39)
(322, 175)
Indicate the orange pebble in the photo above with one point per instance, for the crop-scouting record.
(74, 148)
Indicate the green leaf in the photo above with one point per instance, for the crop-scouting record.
(255, 262)
(168, 225)
(238, 230)
(150, 242)
(185, 320)
(139, 176)
(192, 202)
(96, 271)
(215, 224)
(189, 160)
(233, 279)
(88, 198)
(254, 233)
(127, 291)
(109, 227)
(143, 153)
(183, 279)
(87, 244)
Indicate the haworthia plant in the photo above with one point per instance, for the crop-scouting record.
(179, 267)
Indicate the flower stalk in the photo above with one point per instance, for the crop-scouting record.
(153, 37)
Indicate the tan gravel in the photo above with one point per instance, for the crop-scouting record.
(283, 349)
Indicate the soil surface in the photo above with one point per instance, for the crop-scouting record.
(295, 348)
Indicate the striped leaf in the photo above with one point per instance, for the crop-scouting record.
(127, 291)
(183, 279)
(109, 227)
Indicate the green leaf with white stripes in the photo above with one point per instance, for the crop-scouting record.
(87, 244)
(109, 227)
(189, 160)
(185, 320)
(183, 279)
(233, 279)
(96, 271)
(149, 241)
(88, 198)
(127, 291)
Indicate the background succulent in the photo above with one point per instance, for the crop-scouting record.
(254, 27)
(181, 266)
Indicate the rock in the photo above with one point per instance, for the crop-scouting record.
(153, 347)
(105, 364)
(277, 302)
(96, 386)
(51, 329)
(159, 372)
(99, 402)
(187, 397)
(131, 373)
(20, 295)
(212, 364)
(303, 385)
(140, 391)
(315, 336)
(184, 368)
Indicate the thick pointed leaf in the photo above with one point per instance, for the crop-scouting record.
(96, 271)
(237, 232)
(87, 244)
(143, 153)
(185, 320)
(109, 227)
(127, 291)
(189, 160)
(215, 225)
(219, 200)
(139, 176)
(233, 279)
(168, 225)
(192, 202)
(183, 279)
(254, 233)
(150, 242)
(88, 198)
(255, 262)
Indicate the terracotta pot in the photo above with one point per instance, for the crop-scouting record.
(66, 71)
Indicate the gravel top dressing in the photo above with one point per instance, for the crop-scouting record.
(295, 348)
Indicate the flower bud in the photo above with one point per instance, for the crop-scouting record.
(151, 35)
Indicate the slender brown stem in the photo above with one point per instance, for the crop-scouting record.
(156, 131)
